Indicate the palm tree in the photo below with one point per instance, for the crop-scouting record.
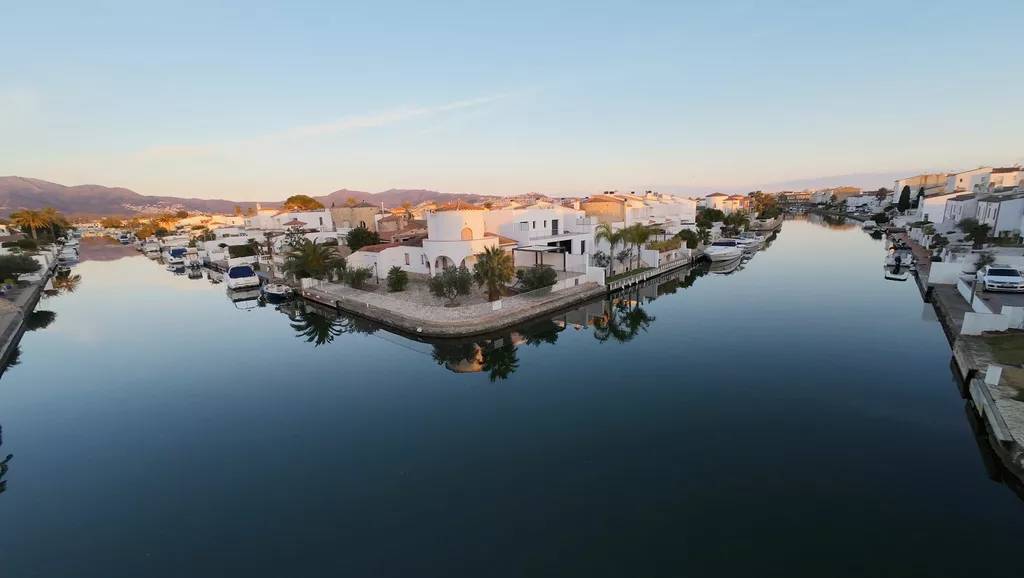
(55, 218)
(408, 208)
(30, 219)
(494, 268)
(637, 234)
(605, 232)
(312, 259)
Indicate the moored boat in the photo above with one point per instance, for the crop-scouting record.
(277, 290)
(241, 277)
(723, 250)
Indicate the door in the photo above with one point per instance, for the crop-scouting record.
(554, 226)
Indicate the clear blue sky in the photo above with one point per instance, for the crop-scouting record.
(258, 100)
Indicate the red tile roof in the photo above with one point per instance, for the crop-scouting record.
(294, 223)
(502, 241)
(391, 218)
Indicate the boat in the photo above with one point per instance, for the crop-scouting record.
(63, 269)
(868, 225)
(241, 277)
(276, 291)
(175, 256)
(897, 273)
(192, 259)
(245, 299)
(751, 236)
(899, 256)
(726, 267)
(124, 238)
(723, 250)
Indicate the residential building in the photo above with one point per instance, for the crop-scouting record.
(1002, 212)
(1005, 177)
(863, 202)
(972, 181)
(933, 208)
(719, 201)
(262, 220)
(960, 207)
(547, 225)
(794, 198)
(311, 220)
(933, 184)
(359, 215)
(840, 194)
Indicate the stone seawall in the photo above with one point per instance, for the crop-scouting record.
(483, 324)
(14, 321)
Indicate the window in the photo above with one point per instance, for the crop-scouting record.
(406, 258)
(321, 221)
(423, 259)
(545, 224)
(362, 224)
(467, 234)
(524, 226)
(535, 224)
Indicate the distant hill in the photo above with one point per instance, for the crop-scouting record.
(18, 193)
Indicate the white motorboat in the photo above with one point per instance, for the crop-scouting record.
(192, 259)
(63, 269)
(897, 273)
(899, 257)
(175, 256)
(241, 277)
(724, 250)
(277, 290)
(751, 237)
(726, 267)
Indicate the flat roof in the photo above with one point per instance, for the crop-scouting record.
(540, 249)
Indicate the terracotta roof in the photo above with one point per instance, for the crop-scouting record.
(718, 195)
(502, 241)
(378, 248)
(414, 242)
(391, 219)
(1007, 170)
(741, 197)
(412, 226)
(293, 223)
(459, 206)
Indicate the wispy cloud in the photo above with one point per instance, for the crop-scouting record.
(364, 121)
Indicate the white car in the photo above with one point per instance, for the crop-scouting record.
(1000, 278)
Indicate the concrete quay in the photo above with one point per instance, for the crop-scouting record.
(12, 317)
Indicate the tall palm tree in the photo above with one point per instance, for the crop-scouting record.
(312, 259)
(55, 218)
(30, 219)
(605, 232)
(408, 208)
(637, 235)
(494, 268)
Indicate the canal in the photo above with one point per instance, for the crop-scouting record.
(795, 417)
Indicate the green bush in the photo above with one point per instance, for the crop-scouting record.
(7, 244)
(28, 244)
(238, 251)
(667, 245)
(356, 276)
(691, 238)
(361, 237)
(450, 283)
(13, 266)
(879, 218)
(397, 279)
(537, 277)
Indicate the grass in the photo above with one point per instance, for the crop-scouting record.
(1007, 348)
(627, 274)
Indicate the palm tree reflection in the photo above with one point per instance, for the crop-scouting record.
(316, 328)
(66, 283)
(624, 319)
(3, 464)
(500, 362)
(39, 319)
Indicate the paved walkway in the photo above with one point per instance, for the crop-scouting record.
(450, 321)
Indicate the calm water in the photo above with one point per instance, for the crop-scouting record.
(794, 418)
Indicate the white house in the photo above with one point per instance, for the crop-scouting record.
(933, 184)
(544, 224)
(1005, 177)
(972, 181)
(934, 208)
(960, 207)
(719, 201)
(1002, 212)
(263, 219)
(313, 220)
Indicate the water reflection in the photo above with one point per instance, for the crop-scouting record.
(3, 464)
(62, 283)
(12, 360)
(830, 221)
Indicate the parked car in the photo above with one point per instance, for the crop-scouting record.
(1000, 278)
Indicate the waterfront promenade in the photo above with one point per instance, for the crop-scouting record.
(13, 311)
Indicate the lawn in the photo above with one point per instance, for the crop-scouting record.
(1007, 348)
(627, 274)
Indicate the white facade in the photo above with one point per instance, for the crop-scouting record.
(317, 220)
(972, 181)
(1010, 177)
(934, 208)
(864, 202)
(960, 207)
(718, 201)
(1002, 213)
(544, 224)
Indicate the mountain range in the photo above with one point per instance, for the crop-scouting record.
(18, 193)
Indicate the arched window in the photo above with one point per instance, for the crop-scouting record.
(362, 224)
(467, 234)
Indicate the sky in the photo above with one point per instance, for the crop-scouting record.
(259, 100)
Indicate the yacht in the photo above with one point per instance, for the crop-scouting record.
(724, 250)
(750, 236)
(175, 256)
(192, 259)
(241, 277)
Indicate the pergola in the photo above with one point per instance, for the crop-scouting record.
(537, 250)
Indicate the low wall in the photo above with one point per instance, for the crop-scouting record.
(979, 306)
(965, 290)
(944, 273)
(978, 323)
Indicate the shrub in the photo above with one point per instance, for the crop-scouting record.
(537, 277)
(237, 251)
(936, 259)
(985, 258)
(691, 238)
(667, 245)
(360, 237)
(7, 244)
(397, 279)
(356, 276)
(332, 241)
(13, 266)
(451, 282)
(601, 259)
(879, 218)
(28, 244)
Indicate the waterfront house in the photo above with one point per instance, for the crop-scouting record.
(1006, 177)
(933, 184)
(960, 207)
(359, 215)
(972, 181)
(719, 201)
(556, 235)
(309, 220)
(865, 202)
(1002, 212)
(262, 220)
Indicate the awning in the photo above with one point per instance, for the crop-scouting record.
(540, 249)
